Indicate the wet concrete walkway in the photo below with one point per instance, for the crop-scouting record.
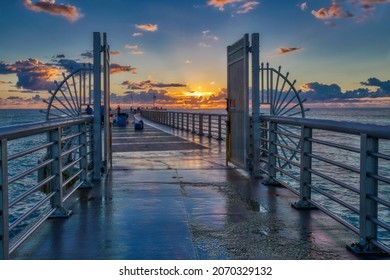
(170, 198)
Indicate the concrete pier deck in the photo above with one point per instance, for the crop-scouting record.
(173, 197)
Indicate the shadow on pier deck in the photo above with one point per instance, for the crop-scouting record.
(169, 198)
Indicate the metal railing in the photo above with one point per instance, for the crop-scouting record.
(41, 165)
(210, 125)
(342, 168)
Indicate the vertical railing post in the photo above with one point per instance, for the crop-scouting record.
(182, 121)
(174, 119)
(305, 166)
(193, 123)
(200, 125)
(97, 153)
(83, 155)
(368, 188)
(188, 122)
(271, 154)
(209, 135)
(4, 225)
(219, 128)
(56, 169)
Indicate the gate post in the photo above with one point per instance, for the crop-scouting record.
(255, 48)
(4, 223)
(97, 147)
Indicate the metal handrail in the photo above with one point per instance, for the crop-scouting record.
(202, 124)
(372, 227)
(56, 182)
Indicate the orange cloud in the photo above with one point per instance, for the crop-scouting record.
(70, 12)
(220, 4)
(287, 50)
(147, 27)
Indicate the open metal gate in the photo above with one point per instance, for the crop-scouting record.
(237, 103)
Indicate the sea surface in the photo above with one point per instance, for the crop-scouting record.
(379, 116)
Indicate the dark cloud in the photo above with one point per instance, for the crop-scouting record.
(60, 56)
(148, 84)
(144, 97)
(36, 97)
(69, 64)
(87, 54)
(14, 98)
(7, 68)
(319, 92)
(117, 68)
(374, 82)
(70, 12)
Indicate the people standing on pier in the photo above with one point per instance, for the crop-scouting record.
(88, 110)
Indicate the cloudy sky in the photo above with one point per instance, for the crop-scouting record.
(338, 51)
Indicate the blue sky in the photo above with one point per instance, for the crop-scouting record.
(339, 47)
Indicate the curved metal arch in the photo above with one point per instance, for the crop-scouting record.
(67, 100)
(283, 99)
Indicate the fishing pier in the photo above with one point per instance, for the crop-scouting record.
(260, 183)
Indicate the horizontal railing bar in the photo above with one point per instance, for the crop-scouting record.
(72, 164)
(335, 145)
(287, 186)
(19, 131)
(380, 245)
(68, 137)
(287, 173)
(71, 150)
(288, 134)
(68, 194)
(332, 197)
(72, 177)
(379, 155)
(30, 211)
(27, 234)
(288, 147)
(377, 131)
(334, 216)
(379, 178)
(337, 182)
(29, 171)
(21, 154)
(288, 161)
(379, 223)
(379, 200)
(338, 164)
(31, 190)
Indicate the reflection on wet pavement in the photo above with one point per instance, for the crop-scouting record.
(167, 198)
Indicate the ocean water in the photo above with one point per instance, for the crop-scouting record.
(379, 116)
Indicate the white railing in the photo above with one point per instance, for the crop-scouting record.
(41, 165)
(342, 168)
(210, 125)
